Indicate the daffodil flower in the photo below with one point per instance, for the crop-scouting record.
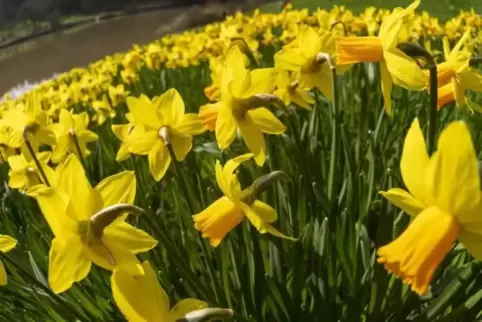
(455, 76)
(117, 94)
(122, 132)
(23, 172)
(158, 123)
(444, 199)
(88, 224)
(227, 212)
(7, 243)
(72, 127)
(31, 121)
(302, 57)
(395, 66)
(141, 298)
(289, 89)
(103, 110)
(236, 109)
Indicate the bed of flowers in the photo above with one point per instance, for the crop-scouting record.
(298, 166)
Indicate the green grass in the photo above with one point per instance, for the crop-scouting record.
(443, 9)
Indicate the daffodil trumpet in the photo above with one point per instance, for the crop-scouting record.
(417, 51)
(27, 130)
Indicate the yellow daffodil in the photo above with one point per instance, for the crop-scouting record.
(103, 110)
(236, 109)
(122, 132)
(117, 94)
(24, 173)
(158, 123)
(83, 221)
(141, 298)
(444, 198)
(455, 76)
(72, 127)
(6, 150)
(395, 66)
(30, 119)
(227, 212)
(290, 90)
(302, 57)
(7, 243)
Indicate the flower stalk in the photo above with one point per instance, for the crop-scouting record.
(31, 150)
(417, 51)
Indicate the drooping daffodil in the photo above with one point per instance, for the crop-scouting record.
(395, 66)
(141, 298)
(29, 121)
(7, 243)
(88, 224)
(303, 58)
(444, 199)
(456, 76)
(24, 173)
(72, 134)
(158, 123)
(241, 107)
(103, 110)
(227, 212)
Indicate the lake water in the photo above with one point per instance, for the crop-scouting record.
(40, 58)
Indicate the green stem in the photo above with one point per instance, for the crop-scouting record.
(79, 151)
(34, 156)
(432, 112)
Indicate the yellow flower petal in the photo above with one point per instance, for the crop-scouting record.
(111, 255)
(141, 141)
(266, 121)
(472, 242)
(459, 93)
(404, 70)
(143, 111)
(184, 307)
(140, 298)
(7, 243)
(189, 124)
(170, 107)
(392, 24)
(118, 188)
(262, 80)
(310, 41)
(73, 183)
(159, 160)
(471, 80)
(3, 275)
(261, 220)
(181, 146)
(418, 251)
(129, 237)
(414, 162)
(68, 263)
(264, 211)
(253, 138)
(387, 85)
(453, 174)
(225, 128)
(54, 207)
(289, 59)
(403, 200)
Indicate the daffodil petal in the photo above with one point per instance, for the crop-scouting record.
(184, 307)
(139, 298)
(414, 162)
(159, 160)
(131, 238)
(264, 211)
(263, 80)
(403, 200)
(471, 80)
(189, 124)
(253, 138)
(289, 59)
(225, 128)
(143, 111)
(3, 275)
(404, 71)
(453, 174)
(472, 243)
(118, 188)
(65, 258)
(170, 107)
(387, 85)
(266, 121)
(7, 243)
(181, 146)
